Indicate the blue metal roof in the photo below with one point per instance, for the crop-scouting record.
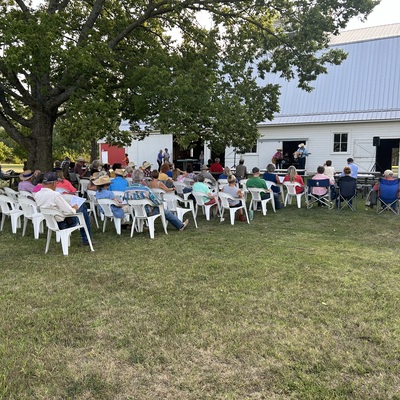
(365, 87)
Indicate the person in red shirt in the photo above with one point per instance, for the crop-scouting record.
(292, 177)
(216, 167)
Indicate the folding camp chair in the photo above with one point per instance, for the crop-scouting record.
(312, 198)
(387, 196)
(347, 193)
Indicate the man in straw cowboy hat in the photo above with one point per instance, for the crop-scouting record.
(300, 154)
(48, 197)
(79, 168)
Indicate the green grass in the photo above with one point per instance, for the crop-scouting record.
(301, 304)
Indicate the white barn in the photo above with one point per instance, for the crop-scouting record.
(350, 105)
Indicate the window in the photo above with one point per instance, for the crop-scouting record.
(340, 142)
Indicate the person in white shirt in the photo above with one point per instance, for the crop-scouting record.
(48, 197)
(329, 170)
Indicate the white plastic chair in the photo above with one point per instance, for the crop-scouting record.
(222, 183)
(92, 202)
(63, 235)
(83, 185)
(291, 192)
(159, 192)
(200, 203)
(224, 197)
(180, 186)
(11, 193)
(105, 205)
(31, 213)
(139, 216)
(173, 203)
(119, 194)
(256, 198)
(24, 193)
(10, 208)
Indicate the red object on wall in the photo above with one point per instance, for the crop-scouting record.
(115, 154)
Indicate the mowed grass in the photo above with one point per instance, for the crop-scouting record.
(301, 304)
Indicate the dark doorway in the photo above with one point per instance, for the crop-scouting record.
(387, 154)
(182, 157)
(289, 147)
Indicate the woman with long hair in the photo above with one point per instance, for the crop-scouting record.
(292, 176)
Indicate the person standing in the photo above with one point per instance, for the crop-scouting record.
(166, 156)
(277, 158)
(201, 158)
(353, 167)
(241, 170)
(125, 161)
(159, 160)
(301, 153)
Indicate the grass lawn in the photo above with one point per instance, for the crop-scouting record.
(301, 304)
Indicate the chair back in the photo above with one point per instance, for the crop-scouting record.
(224, 199)
(139, 207)
(92, 196)
(119, 194)
(84, 183)
(347, 187)
(188, 182)
(388, 190)
(7, 204)
(256, 193)
(11, 193)
(199, 198)
(291, 187)
(179, 186)
(28, 206)
(172, 201)
(49, 215)
(105, 205)
(324, 183)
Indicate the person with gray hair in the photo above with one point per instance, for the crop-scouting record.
(138, 191)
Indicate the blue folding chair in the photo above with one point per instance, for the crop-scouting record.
(320, 200)
(347, 193)
(387, 196)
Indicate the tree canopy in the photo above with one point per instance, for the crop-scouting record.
(80, 67)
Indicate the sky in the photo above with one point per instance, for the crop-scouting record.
(387, 12)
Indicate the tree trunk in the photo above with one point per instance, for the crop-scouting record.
(93, 150)
(40, 153)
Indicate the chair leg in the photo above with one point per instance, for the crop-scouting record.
(232, 215)
(65, 243)
(48, 241)
(151, 228)
(117, 224)
(24, 226)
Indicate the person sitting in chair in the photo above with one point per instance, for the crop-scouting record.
(48, 197)
(321, 191)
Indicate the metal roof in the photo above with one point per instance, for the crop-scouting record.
(365, 87)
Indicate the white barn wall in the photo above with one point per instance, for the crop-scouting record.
(148, 148)
(319, 140)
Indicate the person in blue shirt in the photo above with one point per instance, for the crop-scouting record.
(353, 167)
(301, 153)
(139, 191)
(102, 192)
(119, 183)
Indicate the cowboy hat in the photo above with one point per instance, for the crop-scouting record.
(81, 159)
(26, 175)
(119, 172)
(301, 145)
(146, 164)
(204, 167)
(103, 180)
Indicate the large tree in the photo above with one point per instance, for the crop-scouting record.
(86, 64)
